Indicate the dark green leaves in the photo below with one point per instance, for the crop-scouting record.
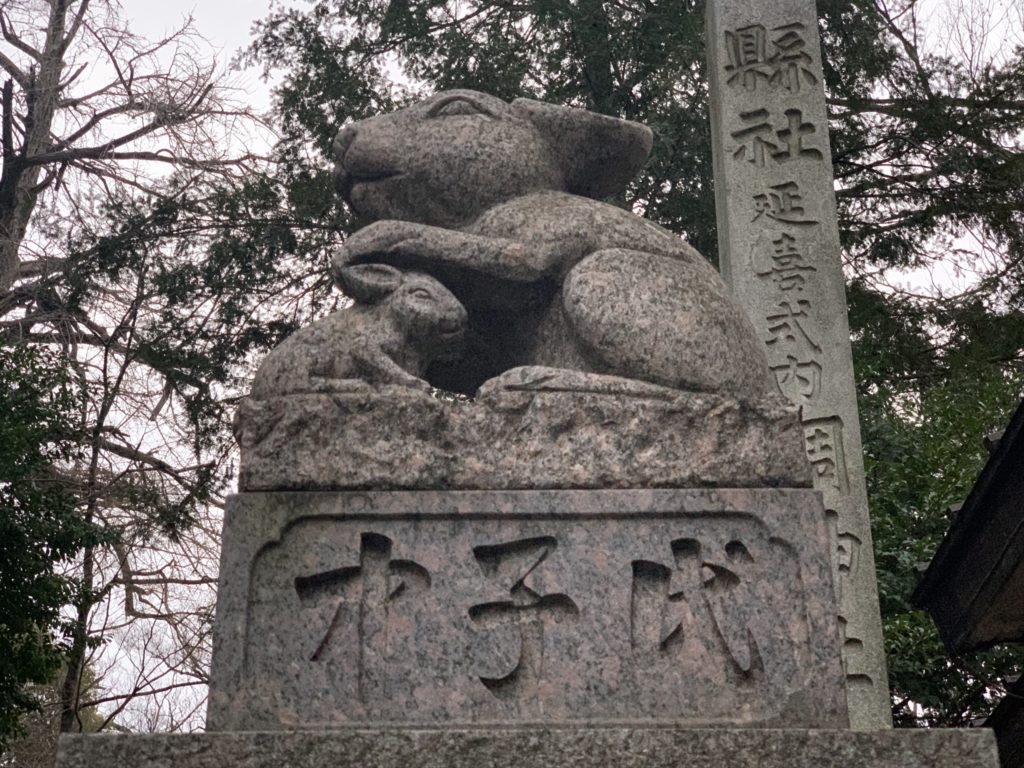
(40, 529)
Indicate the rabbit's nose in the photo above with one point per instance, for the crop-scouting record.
(452, 324)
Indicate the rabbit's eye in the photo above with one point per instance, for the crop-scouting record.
(458, 106)
(420, 293)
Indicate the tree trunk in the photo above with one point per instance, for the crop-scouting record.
(592, 38)
(70, 688)
(19, 184)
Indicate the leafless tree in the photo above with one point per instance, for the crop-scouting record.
(91, 116)
(83, 94)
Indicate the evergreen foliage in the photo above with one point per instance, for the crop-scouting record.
(40, 530)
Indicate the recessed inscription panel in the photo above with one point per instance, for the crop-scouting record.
(702, 618)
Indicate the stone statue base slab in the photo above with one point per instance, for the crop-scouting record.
(526, 431)
(685, 607)
(537, 748)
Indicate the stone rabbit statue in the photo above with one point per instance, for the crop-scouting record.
(399, 324)
(500, 202)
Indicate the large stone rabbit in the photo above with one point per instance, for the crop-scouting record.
(500, 202)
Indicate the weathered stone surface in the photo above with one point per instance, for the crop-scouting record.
(532, 428)
(779, 250)
(636, 747)
(687, 607)
(496, 200)
(402, 323)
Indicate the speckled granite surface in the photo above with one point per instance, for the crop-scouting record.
(691, 607)
(538, 748)
(533, 436)
(502, 202)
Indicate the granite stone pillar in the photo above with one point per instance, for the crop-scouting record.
(779, 250)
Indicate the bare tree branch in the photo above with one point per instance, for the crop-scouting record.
(17, 42)
(76, 25)
(16, 72)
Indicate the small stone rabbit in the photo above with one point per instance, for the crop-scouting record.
(400, 323)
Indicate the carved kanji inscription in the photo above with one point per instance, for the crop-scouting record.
(758, 57)
(511, 568)
(493, 617)
(762, 139)
(823, 439)
(707, 609)
(365, 594)
(782, 203)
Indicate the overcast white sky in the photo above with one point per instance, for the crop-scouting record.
(225, 23)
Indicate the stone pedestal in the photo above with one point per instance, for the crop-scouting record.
(636, 747)
(683, 607)
(526, 433)
(562, 602)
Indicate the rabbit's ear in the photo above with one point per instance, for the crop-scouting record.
(368, 283)
(598, 154)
